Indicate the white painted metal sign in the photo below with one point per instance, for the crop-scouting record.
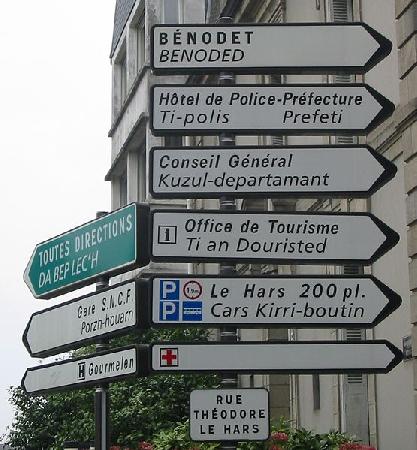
(307, 171)
(296, 301)
(229, 415)
(284, 357)
(216, 236)
(81, 372)
(315, 48)
(260, 109)
(81, 321)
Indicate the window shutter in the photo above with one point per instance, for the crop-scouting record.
(342, 10)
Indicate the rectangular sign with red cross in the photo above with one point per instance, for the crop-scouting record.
(377, 356)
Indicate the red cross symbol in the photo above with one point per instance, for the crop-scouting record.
(169, 357)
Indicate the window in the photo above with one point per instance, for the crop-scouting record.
(140, 43)
(173, 141)
(142, 175)
(120, 80)
(172, 11)
(123, 189)
(316, 391)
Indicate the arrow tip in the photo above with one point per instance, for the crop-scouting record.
(391, 238)
(383, 50)
(22, 383)
(26, 275)
(397, 358)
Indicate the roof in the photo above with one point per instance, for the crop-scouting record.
(121, 15)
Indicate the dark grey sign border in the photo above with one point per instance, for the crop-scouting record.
(397, 358)
(385, 47)
(140, 320)
(142, 369)
(391, 240)
(389, 172)
(387, 109)
(142, 256)
(233, 389)
(394, 301)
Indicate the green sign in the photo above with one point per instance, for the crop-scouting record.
(104, 246)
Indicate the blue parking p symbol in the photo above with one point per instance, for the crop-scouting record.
(169, 305)
(169, 289)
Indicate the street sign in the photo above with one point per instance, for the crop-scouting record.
(315, 48)
(229, 415)
(296, 237)
(276, 357)
(105, 367)
(278, 301)
(105, 246)
(76, 323)
(302, 171)
(262, 109)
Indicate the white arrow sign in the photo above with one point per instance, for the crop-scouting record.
(305, 171)
(78, 322)
(229, 415)
(284, 357)
(261, 109)
(315, 48)
(214, 236)
(114, 365)
(294, 302)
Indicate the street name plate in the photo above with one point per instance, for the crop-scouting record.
(302, 171)
(229, 415)
(292, 302)
(72, 324)
(214, 236)
(109, 245)
(114, 365)
(262, 109)
(315, 48)
(282, 357)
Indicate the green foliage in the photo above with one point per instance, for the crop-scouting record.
(45, 422)
(179, 438)
(283, 437)
(139, 407)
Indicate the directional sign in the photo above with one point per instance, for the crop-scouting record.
(76, 323)
(229, 415)
(261, 109)
(315, 48)
(291, 302)
(114, 365)
(108, 245)
(296, 237)
(282, 357)
(302, 171)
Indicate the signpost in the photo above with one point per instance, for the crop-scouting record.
(302, 171)
(105, 246)
(229, 415)
(262, 109)
(114, 365)
(123, 239)
(294, 357)
(279, 301)
(263, 48)
(301, 238)
(107, 313)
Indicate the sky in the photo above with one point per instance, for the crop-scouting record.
(55, 87)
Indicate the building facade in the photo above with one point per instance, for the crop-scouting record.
(380, 410)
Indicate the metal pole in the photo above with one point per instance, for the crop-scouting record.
(101, 396)
(227, 333)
